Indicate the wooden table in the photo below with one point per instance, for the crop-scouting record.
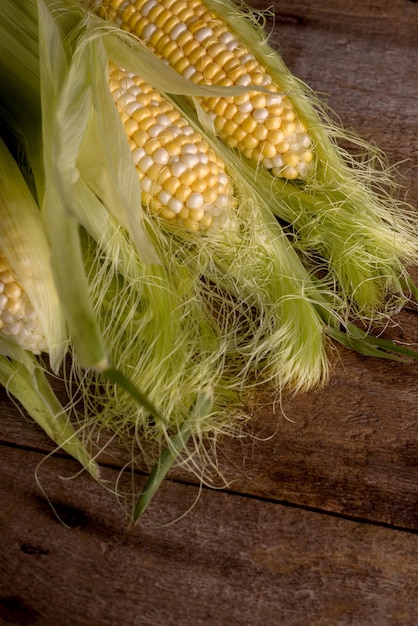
(318, 524)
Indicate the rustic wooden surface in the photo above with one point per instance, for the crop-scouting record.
(318, 524)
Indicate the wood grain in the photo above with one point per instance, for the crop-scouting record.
(318, 521)
(232, 560)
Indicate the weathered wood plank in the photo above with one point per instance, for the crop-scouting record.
(232, 560)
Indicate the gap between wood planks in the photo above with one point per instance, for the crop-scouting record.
(236, 493)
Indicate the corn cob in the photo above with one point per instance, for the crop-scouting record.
(196, 43)
(182, 179)
(29, 311)
(18, 319)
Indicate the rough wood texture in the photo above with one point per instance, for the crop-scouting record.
(232, 560)
(318, 522)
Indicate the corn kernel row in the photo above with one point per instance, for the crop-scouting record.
(17, 317)
(182, 179)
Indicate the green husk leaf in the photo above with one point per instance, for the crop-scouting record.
(129, 52)
(65, 95)
(20, 109)
(362, 342)
(14, 352)
(105, 160)
(100, 155)
(26, 381)
(170, 454)
(125, 383)
(409, 286)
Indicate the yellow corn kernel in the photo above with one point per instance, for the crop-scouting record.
(182, 179)
(18, 320)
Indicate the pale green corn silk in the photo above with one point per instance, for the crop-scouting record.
(347, 212)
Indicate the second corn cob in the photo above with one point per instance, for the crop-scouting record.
(182, 179)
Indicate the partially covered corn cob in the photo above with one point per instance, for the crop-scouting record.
(189, 37)
(18, 319)
(177, 168)
(30, 311)
(182, 179)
